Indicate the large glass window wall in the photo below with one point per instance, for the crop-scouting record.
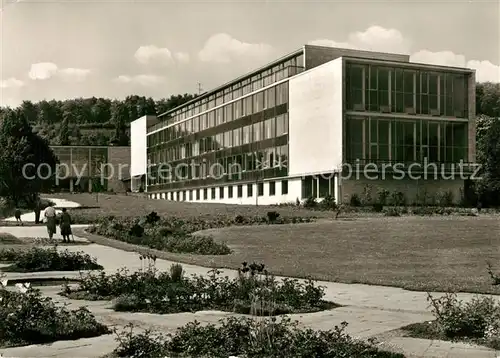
(376, 88)
(253, 139)
(405, 140)
(276, 73)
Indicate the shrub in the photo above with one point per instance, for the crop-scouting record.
(478, 320)
(254, 291)
(444, 198)
(152, 218)
(397, 198)
(328, 203)
(28, 318)
(355, 200)
(310, 203)
(382, 196)
(392, 211)
(378, 207)
(272, 216)
(367, 198)
(247, 337)
(47, 259)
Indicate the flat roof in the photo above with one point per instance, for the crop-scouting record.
(410, 64)
(236, 80)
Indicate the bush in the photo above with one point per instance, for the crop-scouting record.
(152, 218)
(397, 198)
(444, 198)
(477, 321)
(328, 203)
(254, 291)
(272, 216)
(249, 338)
(392, 211)
(378, 207)
(47, 259)
(382, 196)
(27, 318)
(310, 203)
(355, 200)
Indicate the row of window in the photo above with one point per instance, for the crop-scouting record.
(379, 88)
(260, 80)
(256, 103)
(256, 132)
(203, 194)
(380, 139)
(273, 157)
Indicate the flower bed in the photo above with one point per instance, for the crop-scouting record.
(244, 337)
(37, 259)
(28, 318)
(254, 291)
(477, 321)
(176, 235)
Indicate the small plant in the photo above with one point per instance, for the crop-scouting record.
(495, 277)
(444, 198)
(272, 216)
(355, 201)
(176, 272)
(136, 230)
(392, 211)
(367, 197)
(397, 198)
(152, 218)
(382, 196)
(378, 207)
(239, 219)
(328, 203)
(310, 203)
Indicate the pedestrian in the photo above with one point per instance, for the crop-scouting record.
(65, 225)
(50, 216)
(17, 215)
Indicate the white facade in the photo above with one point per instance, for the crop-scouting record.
(138, 147)
(315, 120)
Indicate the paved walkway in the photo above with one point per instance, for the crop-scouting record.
(370, 310)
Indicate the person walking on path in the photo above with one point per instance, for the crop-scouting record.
(50, 215)
(65, 225)
(17, 215)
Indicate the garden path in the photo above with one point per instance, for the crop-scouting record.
(371, 311)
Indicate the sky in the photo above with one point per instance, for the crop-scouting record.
(67, 49)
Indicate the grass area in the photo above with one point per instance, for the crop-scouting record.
(9, 239)
(405, 252)
(121, 205)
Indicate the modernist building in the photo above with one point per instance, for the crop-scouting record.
(288, 130)
(92, 168)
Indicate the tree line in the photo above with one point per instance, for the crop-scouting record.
(92, 121)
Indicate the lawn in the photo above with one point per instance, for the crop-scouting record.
(126, 206)
(431, 253)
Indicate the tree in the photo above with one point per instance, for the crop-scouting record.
(64, 132)
(25, 159)
(120, 118)
(488, 155)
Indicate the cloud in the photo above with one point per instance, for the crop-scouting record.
(150, 53)
(182, 57)
(222, 48)
(46, 70)
(42, 70)
(74, 74)
(143, 80)
(377, 38)
(11, 83)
